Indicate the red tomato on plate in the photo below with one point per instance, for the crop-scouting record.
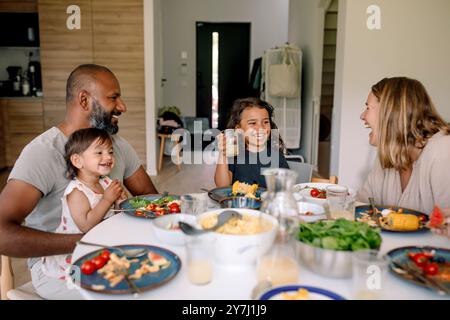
(314, 193)
(88, 267)
(174, 208)
(105, 255)
(431, 269)
(98, 262)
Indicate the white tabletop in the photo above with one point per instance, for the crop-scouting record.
(237, 283)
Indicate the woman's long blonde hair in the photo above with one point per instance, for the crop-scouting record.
(408, 118)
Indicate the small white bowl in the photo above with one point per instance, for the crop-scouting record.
(239, 250)
(318, 211)
(162, 227)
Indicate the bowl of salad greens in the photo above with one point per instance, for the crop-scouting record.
(326, 247)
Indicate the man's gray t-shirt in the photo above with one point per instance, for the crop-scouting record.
(42, 165)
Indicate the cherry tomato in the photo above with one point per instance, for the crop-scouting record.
(88, 267)
(420, 260)
(98, 262)
(431, 269)
(174, 208)
(314, 193)
(105, 255)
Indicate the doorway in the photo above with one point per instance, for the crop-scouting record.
(223, 67)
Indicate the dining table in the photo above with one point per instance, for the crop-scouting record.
(238, 282)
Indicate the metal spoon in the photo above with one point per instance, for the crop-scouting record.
(129, 253)
(223, 218)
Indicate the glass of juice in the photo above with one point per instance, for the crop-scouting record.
(200, 260)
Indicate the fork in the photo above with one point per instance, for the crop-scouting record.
(416, 275)
(130, 253)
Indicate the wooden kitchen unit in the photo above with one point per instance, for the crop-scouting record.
(22, 121)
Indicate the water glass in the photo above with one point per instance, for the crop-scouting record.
(340, 203)
(369, 275)
(200, 259)
(231, 142)
(194, 205)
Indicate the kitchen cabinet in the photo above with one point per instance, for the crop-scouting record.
(18, 29)
(23, 121)
(111, 34)
(18, 6)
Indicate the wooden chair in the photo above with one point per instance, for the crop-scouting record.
(332, 179)
(24, 292)
(163, 138)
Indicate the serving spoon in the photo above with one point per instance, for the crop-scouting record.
(223, 218)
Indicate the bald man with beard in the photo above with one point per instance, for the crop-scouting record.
(36, 184)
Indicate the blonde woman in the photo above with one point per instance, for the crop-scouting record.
(413, 144)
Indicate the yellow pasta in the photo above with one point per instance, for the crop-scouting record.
(245, 226)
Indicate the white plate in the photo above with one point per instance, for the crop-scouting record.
(317, 210)
(305, 192)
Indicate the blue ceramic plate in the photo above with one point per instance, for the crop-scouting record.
(400, 255)
(218, 194)
(361, 210)
(314, 293)
(145, 215)
(146, 282)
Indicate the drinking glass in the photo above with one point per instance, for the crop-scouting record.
(200, 259)
(194, 205)
(369, 275)
(231, 142)
(340, 203)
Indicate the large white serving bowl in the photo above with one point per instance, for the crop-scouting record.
(238, 250)
(318, 211)
(303, 190)
(174, 237)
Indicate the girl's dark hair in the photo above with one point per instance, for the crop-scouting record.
(241, 104)
(79, 141)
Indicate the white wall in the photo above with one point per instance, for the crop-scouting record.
(269, 25)
(306, 31)
(413, 41)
